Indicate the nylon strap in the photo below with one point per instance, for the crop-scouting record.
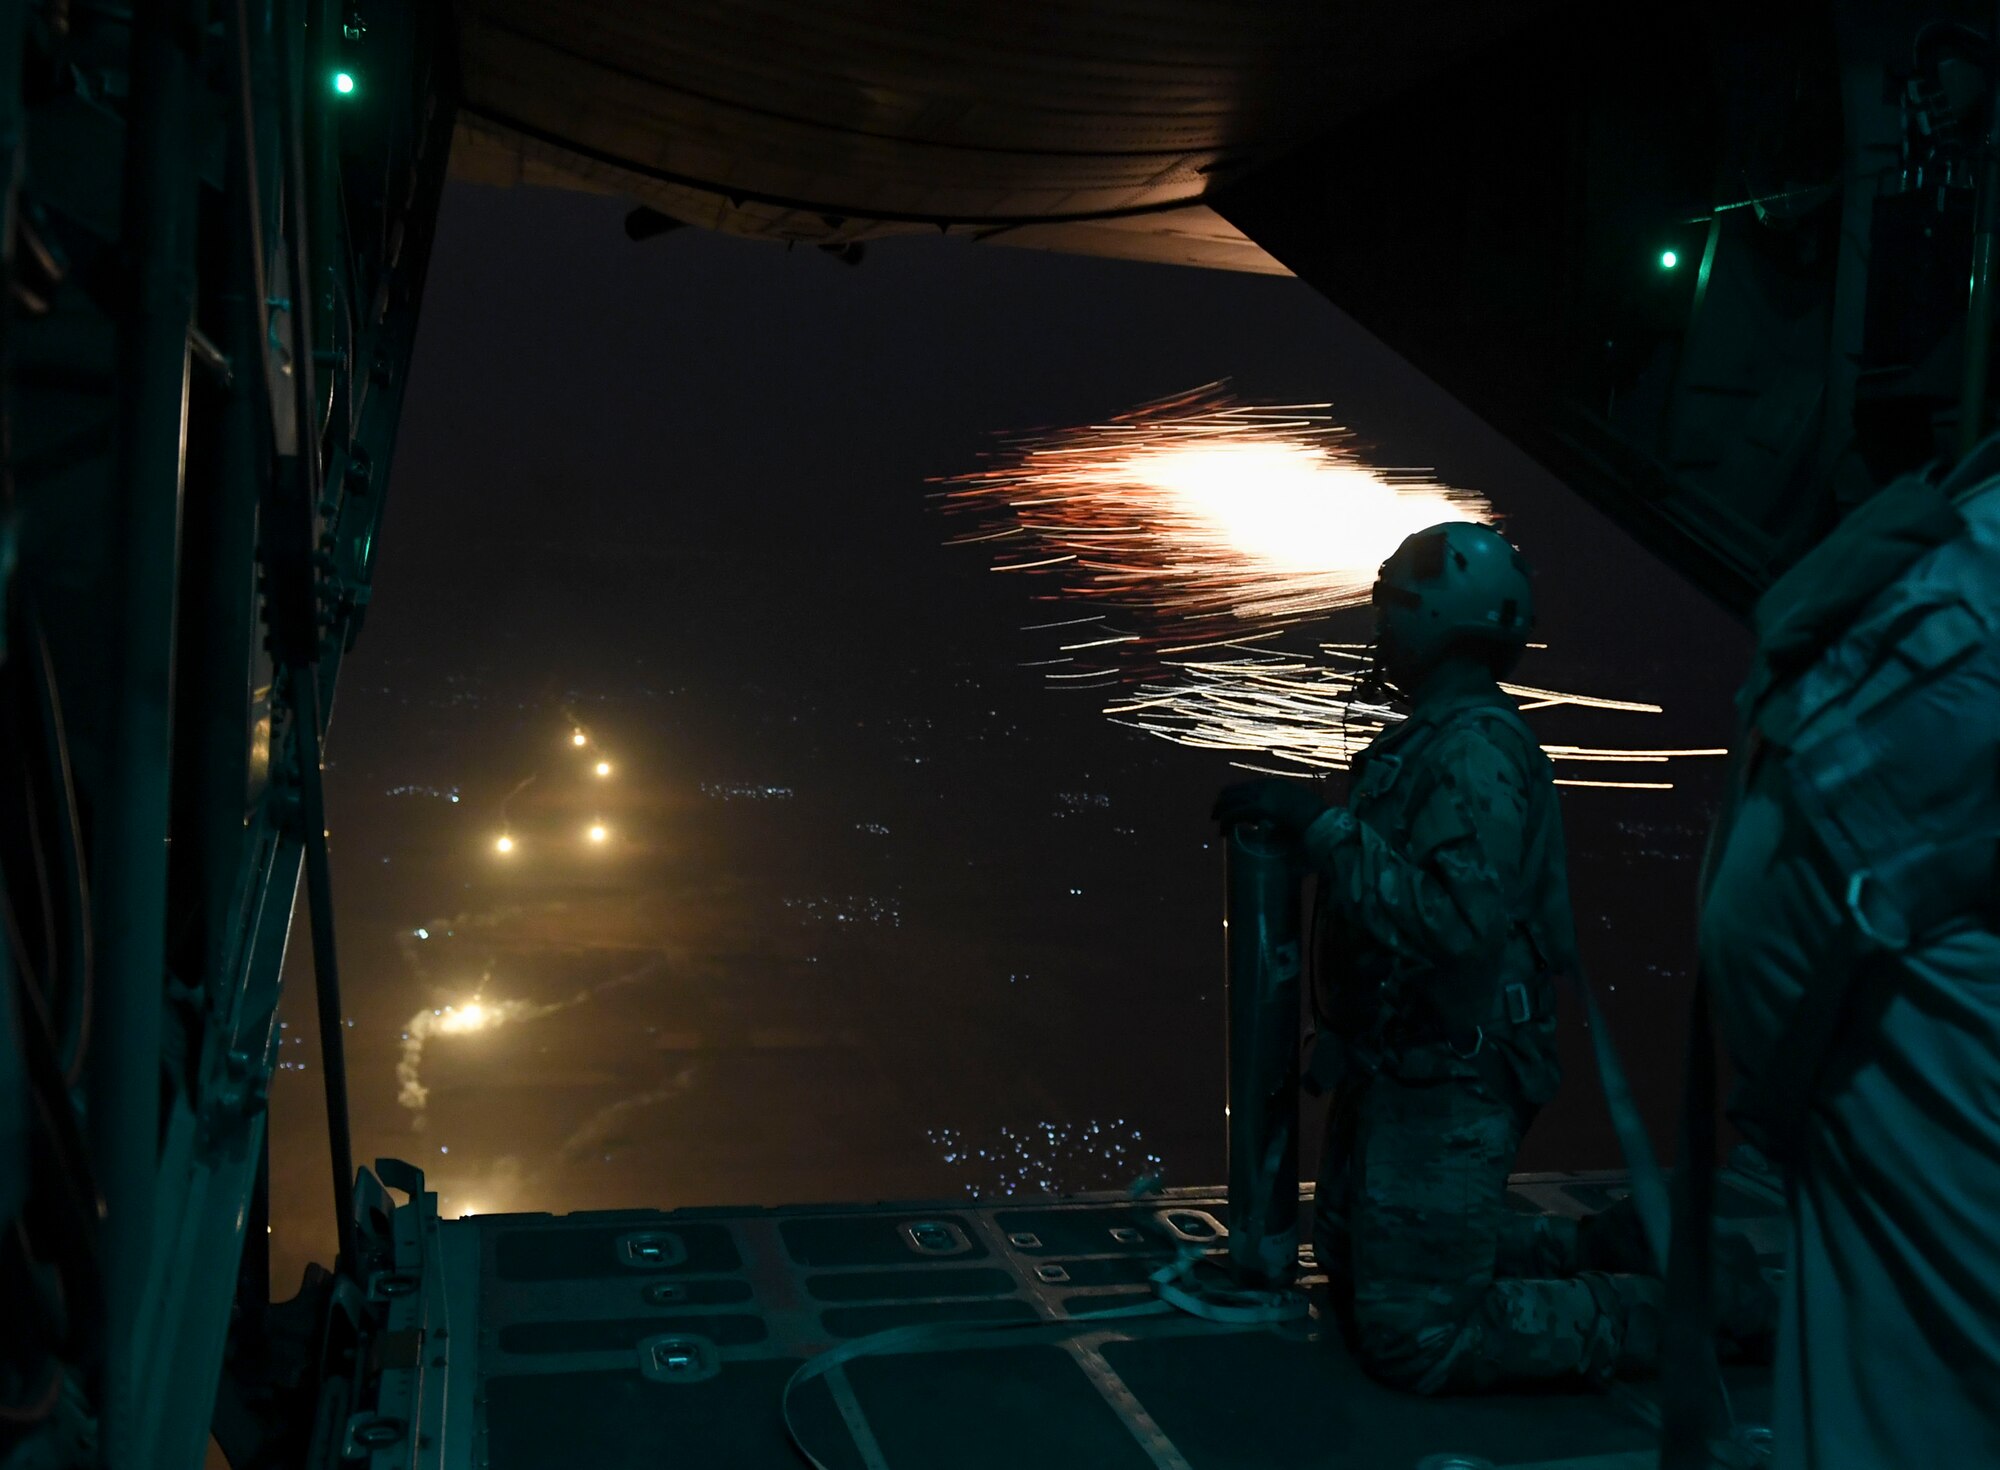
(1698, 1423)
(1231, 1306)
(932, 1334)
(1649, 1188)
(1694, 1403)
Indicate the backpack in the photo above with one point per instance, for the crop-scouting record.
(1867, 792)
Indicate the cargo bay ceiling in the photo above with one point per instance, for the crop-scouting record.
(1488, 185)
(1090, 127)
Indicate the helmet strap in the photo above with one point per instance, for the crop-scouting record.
(1373, 685)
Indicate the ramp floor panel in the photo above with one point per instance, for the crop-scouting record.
(665, 1339)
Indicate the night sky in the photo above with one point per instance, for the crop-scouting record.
(879, 912)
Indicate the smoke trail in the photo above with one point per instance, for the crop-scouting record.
(481, 1014)
(590, 1136)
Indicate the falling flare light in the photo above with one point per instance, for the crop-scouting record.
(343, 83)
(578, 738)
(597, 832)
(503, 844)
(458, 1019)
(604, 768)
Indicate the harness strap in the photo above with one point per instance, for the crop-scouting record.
(1694, 1401)
(934, 1334)
(1232, 1306)
(1649, 1187)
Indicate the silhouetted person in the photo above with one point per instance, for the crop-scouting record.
(1444, 917)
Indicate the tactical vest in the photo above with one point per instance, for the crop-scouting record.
(1864, 822)
(1375, 1002)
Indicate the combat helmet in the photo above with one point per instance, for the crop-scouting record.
(1448, 586)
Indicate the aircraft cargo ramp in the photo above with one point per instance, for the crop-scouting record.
(629, 1339)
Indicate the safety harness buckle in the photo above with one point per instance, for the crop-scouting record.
(1520, 1006)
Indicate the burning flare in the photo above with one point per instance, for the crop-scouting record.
(1200, 508)
(482, 1014)
(1205, 530)
(476, 1014)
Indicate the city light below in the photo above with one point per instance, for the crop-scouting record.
(579, 739)
(504, 844)
(604, 768)
(598, 832)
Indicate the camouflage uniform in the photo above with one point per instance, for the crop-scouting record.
(1443, 909)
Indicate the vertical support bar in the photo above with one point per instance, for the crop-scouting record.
(1262, 990)
(130, 856)
(253, 1268)
(229, 455)
(1985, 262)
(1865, 31)
(16, 1107)
(326, 967)
(290, 526)
(320, 121)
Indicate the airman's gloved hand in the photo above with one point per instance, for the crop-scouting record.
(1290, 806)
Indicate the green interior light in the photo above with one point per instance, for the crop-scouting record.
(343, 82)
(1668, 260)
